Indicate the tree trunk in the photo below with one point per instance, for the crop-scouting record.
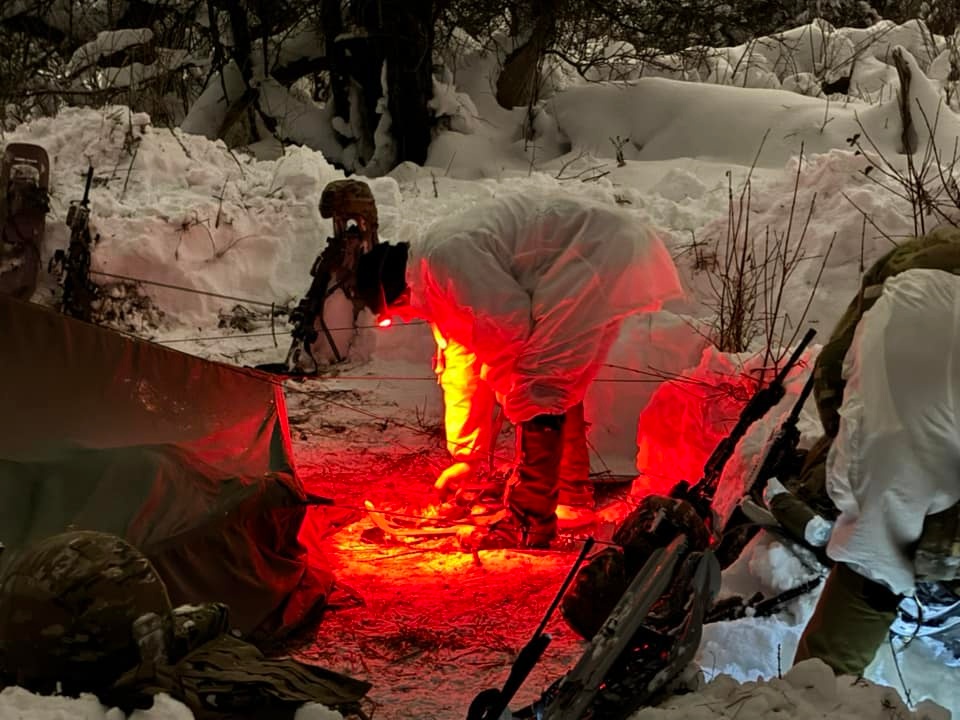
(410, 77)
(908, 133)
(332, 21)
(400, 33)
(519, 81)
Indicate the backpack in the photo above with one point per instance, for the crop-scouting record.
(937, 554)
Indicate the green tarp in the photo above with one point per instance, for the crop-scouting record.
(188, 459)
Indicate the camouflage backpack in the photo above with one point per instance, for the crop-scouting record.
(937, 555)
(76, 609)
(653, 524)
(939, 250)
(85, 612)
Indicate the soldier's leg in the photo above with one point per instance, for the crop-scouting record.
(468, 412)
(576, 499)
(851, 621)
(531, 497)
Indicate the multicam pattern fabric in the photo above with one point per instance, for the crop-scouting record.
(655, 522)
(937, 557)
(85, 612)
(940, 250)
(68, 606)
(349, 198)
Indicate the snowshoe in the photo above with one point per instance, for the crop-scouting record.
(653, 524)
(391, 528)
(414, 527)
(648, 639)
(24, 203)
(935, 611)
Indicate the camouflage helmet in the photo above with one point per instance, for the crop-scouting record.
(73, 610)
(349, 198)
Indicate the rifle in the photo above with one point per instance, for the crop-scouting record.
(490, 704)
(700, 495)
(334, 269)
(757, 606)
(777, 458)
(73, 265)
(780, 447)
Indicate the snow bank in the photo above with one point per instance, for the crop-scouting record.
(183, 210)
(808, 690)
(690, 413)
(16, 702)
(751, 648)
(649, 348)
(664, 119)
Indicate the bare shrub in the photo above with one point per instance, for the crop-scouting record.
(748, 272)
(922, 174)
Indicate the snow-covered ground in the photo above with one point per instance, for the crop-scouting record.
(183, 211)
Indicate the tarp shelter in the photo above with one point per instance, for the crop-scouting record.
(189, 460)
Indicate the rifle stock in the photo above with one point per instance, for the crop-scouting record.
(781, 443)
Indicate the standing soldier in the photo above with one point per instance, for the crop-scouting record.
(893, 471)
(536, 287)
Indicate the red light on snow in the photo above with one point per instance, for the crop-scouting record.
(385, 322)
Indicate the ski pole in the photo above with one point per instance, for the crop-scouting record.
(490, 704)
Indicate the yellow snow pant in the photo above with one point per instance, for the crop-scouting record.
(469, 404)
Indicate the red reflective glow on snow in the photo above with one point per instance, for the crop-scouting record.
(682, 424)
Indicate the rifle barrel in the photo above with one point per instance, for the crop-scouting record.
(490, 704)
(795, 357)
(86, 188)
(587, 546)
(756, 407)
(801, 400)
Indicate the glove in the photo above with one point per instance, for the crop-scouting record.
(774, 487)
(454, 477)
(817, 532)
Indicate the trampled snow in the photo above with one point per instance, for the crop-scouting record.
(181, 210)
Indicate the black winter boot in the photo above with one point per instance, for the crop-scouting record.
(531, 496)
(576, 499)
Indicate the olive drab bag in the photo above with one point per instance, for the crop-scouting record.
(937, 555)
(938, 250)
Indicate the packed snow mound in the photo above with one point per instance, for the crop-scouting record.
(180, 209)
(808, 690)
(661, 119)
(817, 50)
(15, 702)
(689, 415)
(811, 84)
